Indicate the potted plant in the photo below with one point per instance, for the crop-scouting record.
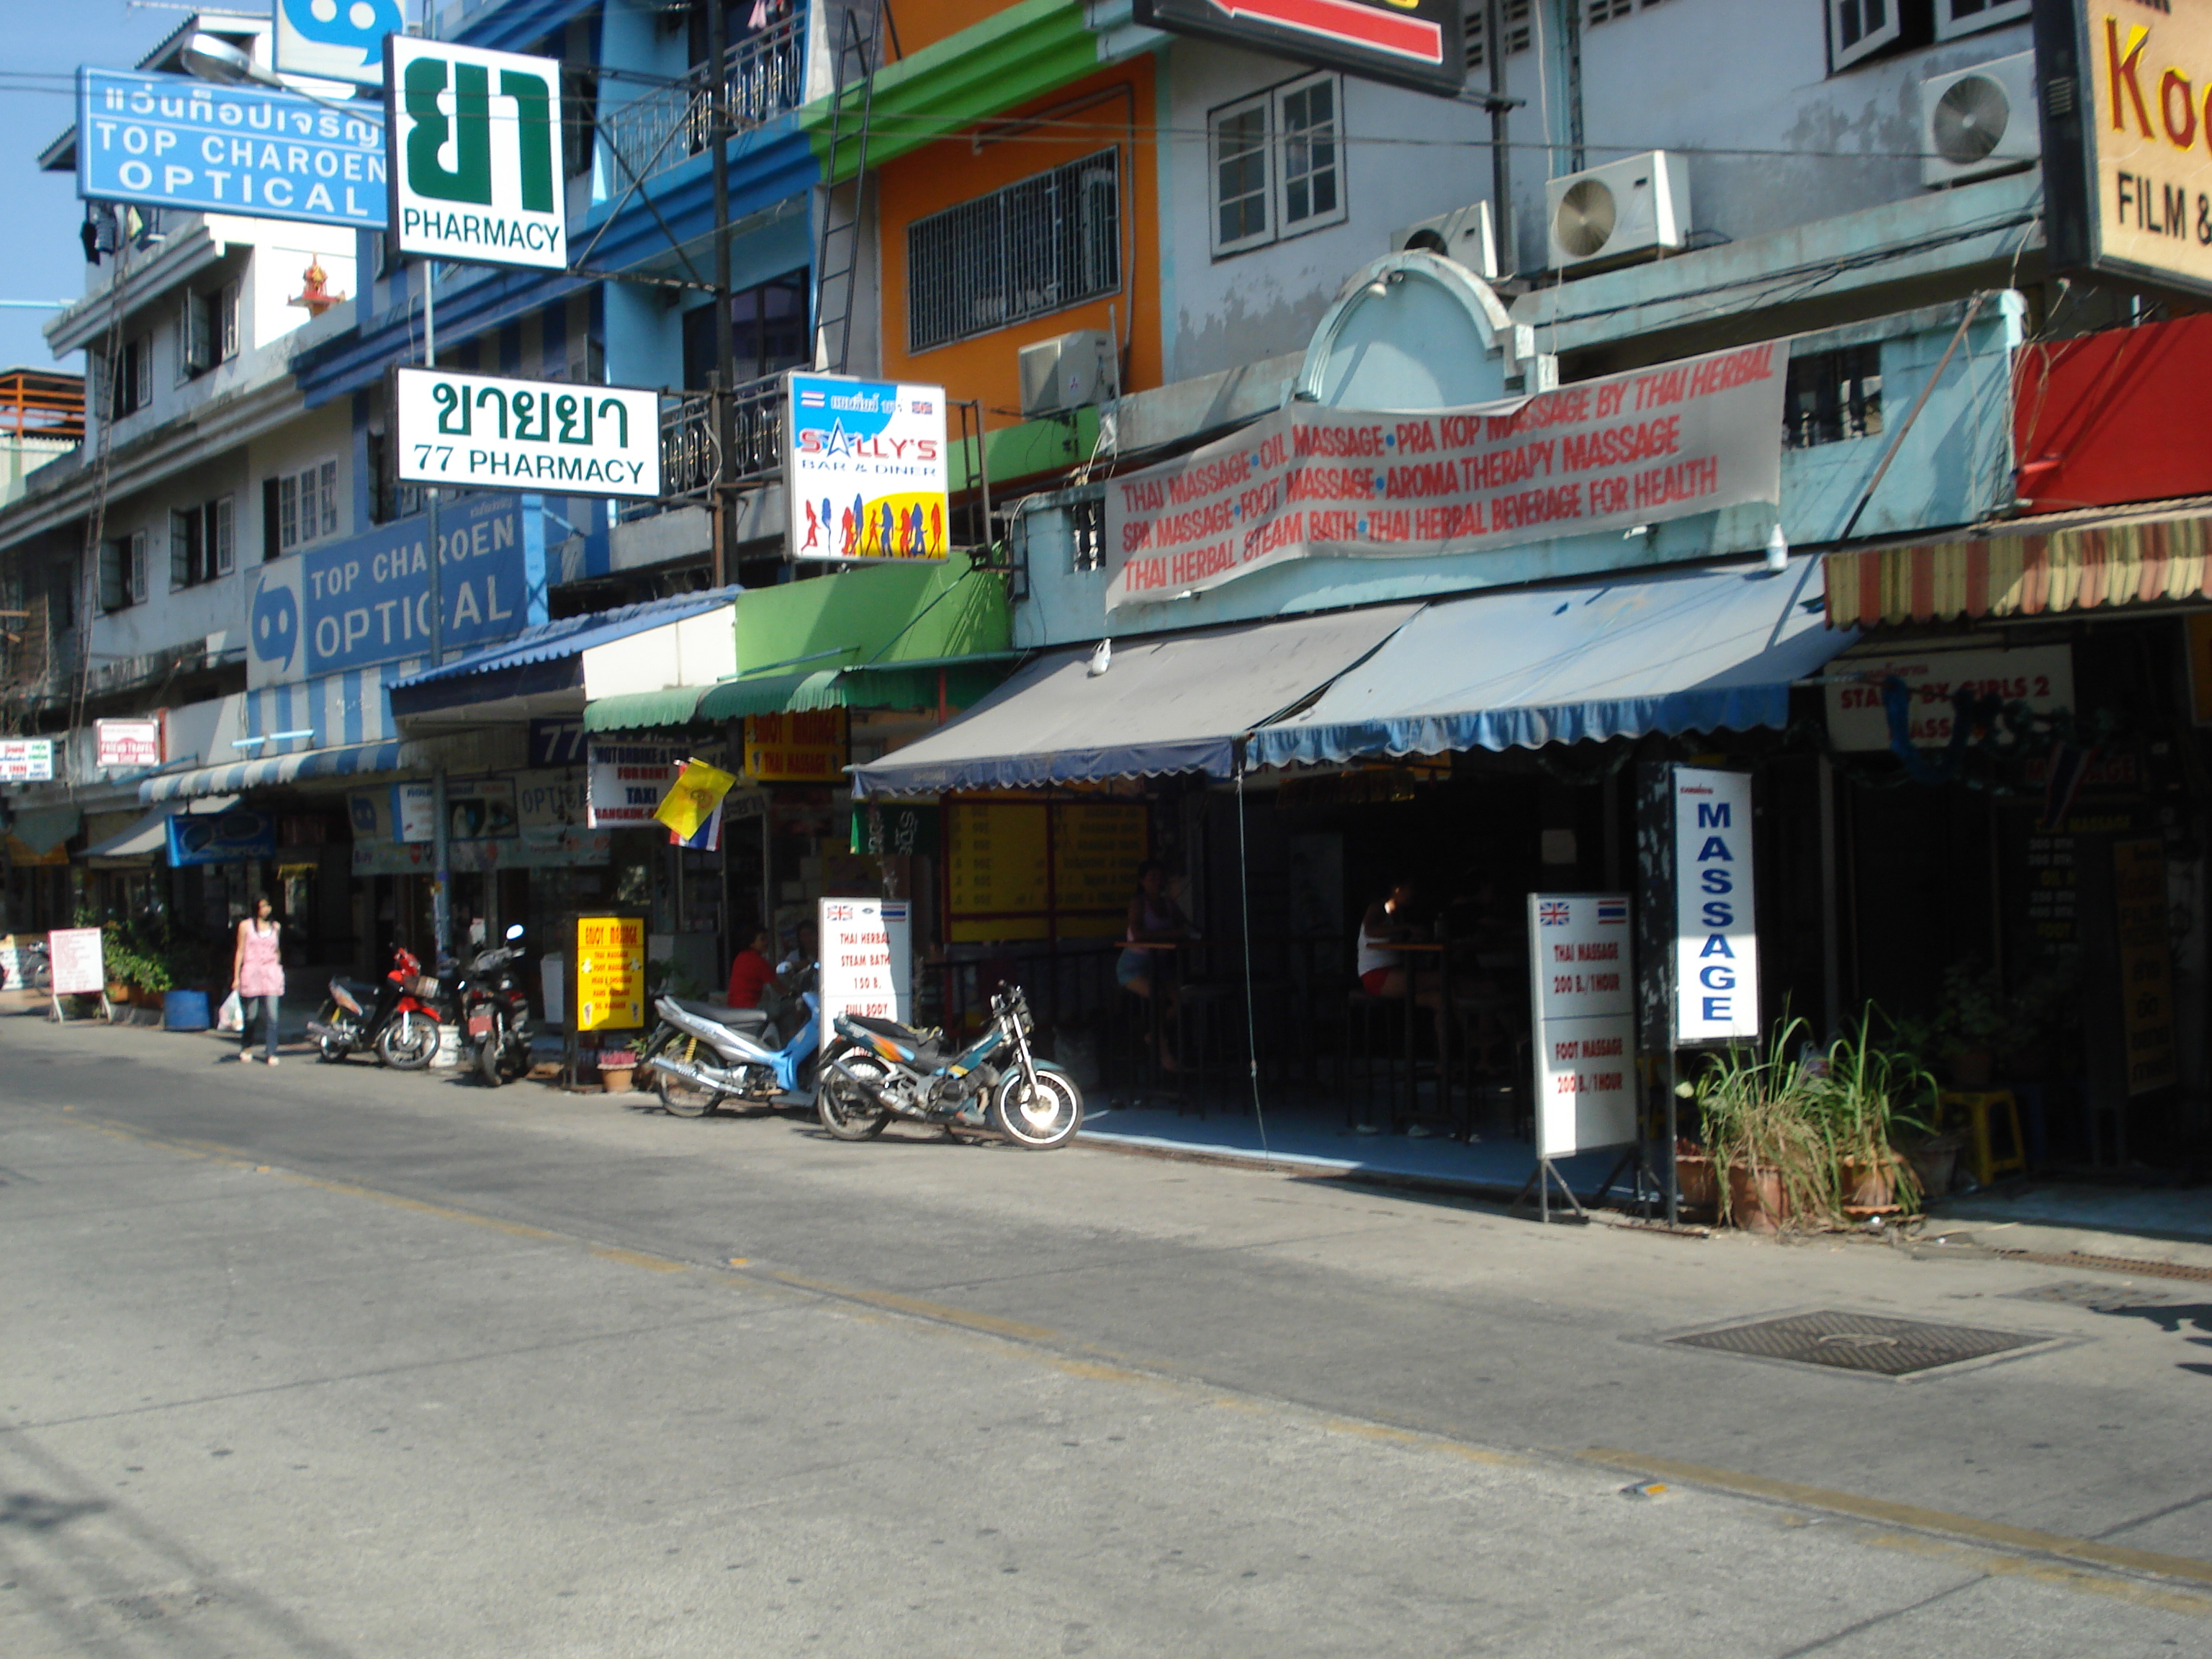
(1764, 1134)
(617, 1066)
(1976, 1023)
(1868, 1090)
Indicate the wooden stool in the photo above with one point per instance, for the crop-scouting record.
(1978, 1105)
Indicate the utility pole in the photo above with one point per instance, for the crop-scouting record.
(441, 851)
(722, 406)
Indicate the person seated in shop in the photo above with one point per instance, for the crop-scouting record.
(1155, 919)
(752, 973)
(1390, 921)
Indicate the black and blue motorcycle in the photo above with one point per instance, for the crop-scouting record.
(879, 1069)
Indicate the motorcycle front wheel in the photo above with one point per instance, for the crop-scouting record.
(846, 1112)
(1038, 1120)
(409, 1043)
(331, 1050)
(679, 1096)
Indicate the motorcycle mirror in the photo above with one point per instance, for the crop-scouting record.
(515, 931)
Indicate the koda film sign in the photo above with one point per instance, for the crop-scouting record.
(570, 437)
(475, 156)
(2126, 91)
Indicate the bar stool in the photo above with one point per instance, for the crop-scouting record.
(1368, 1018)
(1979, 1106)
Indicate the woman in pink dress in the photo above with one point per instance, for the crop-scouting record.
(257, 974)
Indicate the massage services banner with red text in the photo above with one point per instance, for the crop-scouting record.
(1306, 481)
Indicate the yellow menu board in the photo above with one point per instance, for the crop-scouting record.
(996, 871)
(609, 958)
(1096, 850)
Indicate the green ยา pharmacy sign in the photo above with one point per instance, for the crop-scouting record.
(475, 153)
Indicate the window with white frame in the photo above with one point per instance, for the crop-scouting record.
(207, 330)
(123, 571)
(1861, 29)
(129, 377)
(307, 506)
(1277, 163)
(1956, 17)
(201, 544)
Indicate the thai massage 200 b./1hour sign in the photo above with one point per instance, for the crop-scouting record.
(864, 469)
(570, 438)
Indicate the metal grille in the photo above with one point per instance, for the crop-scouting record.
(687, 450)
(1858, 1342)
(1831, 396)
(1037, 246)
(764, 76)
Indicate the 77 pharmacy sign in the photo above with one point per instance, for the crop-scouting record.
(474, 158)
(569, 437)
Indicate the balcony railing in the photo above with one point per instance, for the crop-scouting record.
(764, 76)
(689, 452)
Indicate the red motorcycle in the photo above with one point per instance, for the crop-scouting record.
(398, 1018)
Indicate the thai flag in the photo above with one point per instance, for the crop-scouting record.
(1612, 911)
(922, 406)
(813, 400)
(709, 836)
(1553, 913)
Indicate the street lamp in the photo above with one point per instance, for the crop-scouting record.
(211, 58)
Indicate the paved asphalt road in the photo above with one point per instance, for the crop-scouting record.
(323, 1362)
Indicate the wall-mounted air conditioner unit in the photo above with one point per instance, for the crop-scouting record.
(1068, 372)
(1468, 234)
(1621, 212)
(1978, 121)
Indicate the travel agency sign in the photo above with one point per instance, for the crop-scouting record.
(1601, 455)
(475, 140)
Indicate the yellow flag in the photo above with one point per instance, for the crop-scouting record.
(692, 798)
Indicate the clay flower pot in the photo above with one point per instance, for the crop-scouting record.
(1755, 1199)
(616, 1079)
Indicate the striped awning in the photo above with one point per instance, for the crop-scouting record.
(2157, 557)
(235, 776)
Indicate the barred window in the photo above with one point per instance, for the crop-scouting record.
(1831, 396)
(1037, 246)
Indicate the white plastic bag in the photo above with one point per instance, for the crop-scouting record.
(232, 1018)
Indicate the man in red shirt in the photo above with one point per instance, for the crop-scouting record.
(752, 972)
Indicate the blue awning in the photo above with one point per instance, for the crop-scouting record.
(1706, 649)
(1174, 704)
(306, 763)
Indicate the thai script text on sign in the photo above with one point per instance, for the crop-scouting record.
(171, 141)
(1582, 988)
(480, 430)
(1610, 454)
(476, 154)
(1716, 924)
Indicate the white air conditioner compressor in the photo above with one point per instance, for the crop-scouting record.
(1068, 372)
(1627, 210)
(1978, 121)
(1468, 234)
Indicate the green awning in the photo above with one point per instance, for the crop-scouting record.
(641, 711)
(764, 693)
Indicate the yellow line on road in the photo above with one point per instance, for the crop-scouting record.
(2045, 1572)
(990, 1324)
(1908, 1515)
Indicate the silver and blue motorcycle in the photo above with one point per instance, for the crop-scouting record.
(703, 1053)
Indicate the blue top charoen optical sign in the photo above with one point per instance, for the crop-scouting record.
(367, 599)
(171, 141)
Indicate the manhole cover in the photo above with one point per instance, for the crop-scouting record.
(1858, 1342)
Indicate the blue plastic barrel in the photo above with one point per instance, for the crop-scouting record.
(185, 1010)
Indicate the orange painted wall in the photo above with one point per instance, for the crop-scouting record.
(921, 22)
(953, 170)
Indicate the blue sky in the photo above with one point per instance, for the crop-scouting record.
(40, 257)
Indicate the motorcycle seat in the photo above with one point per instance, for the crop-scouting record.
(927, 1054)
(737, 1020)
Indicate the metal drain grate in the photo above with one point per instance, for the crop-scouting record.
(1858, 1342)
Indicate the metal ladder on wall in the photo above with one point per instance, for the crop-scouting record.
(857, 54)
